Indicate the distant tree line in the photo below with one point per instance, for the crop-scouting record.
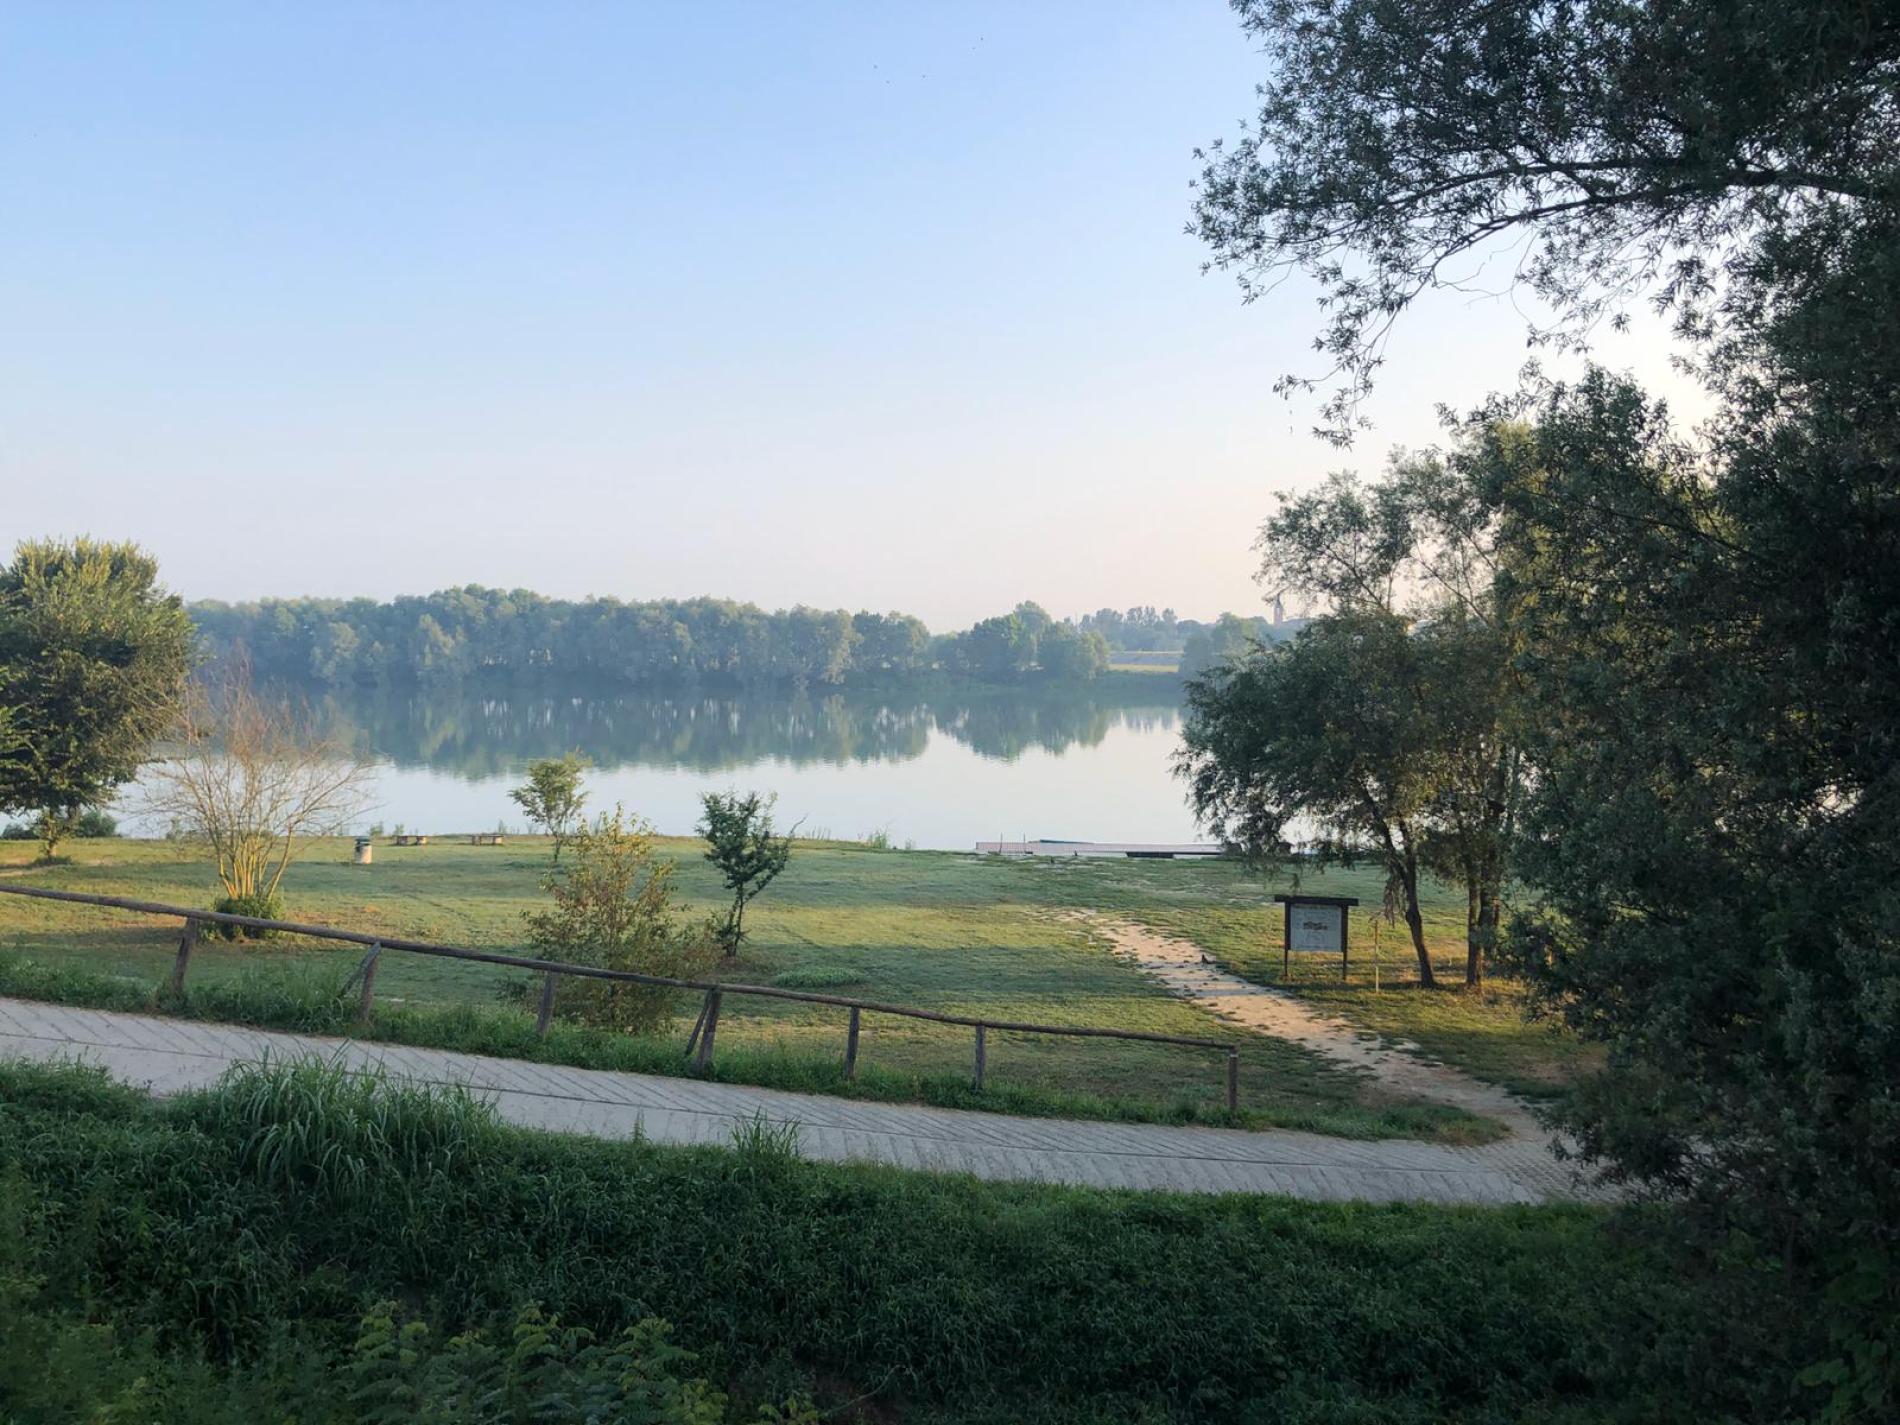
(475, 632)
(1148, 630)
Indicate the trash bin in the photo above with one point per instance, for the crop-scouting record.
(365, 850)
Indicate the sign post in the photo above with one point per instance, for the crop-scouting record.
(1314, 923)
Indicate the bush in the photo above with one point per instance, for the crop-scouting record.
(19, 831)
(263, 907)
(613, 908)
(299, 1194)
(93, 823)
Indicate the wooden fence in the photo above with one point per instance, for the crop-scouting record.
(699, 1045)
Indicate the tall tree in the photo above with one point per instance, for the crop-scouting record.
(1422, 543)
(1333, 730)
(1711, 657)
(1069, 654)
(94, 655)
(745, 847)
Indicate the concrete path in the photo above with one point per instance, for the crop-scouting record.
(171, 1055)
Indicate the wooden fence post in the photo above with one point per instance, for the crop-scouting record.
(189, 939)
(1233, 1080)
(546, 1016)
(699, 1023)
(704, 1061)
(977, 1083)
(367, 1003)
(851, 1047)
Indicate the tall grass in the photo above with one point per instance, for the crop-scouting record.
(300, 1195)
(311, 1127)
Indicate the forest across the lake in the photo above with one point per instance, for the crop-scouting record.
(477, 632)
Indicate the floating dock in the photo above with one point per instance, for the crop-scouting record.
(1136, 850)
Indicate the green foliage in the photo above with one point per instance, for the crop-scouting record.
(459, 635)
(326, 1130)
(1420, 544)
(93, 659)
(263, 905)
(552, 797)
(1707, 629)
(1716, 157)
(541, 1371)
(1336, 728)
(94, 824)
(742, 844)
(1231, 640)
(613, 908)
(90, 824)
(211, 1222)
(818, 977)
(1069, 654)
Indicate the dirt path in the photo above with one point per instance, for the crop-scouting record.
(1190, 972)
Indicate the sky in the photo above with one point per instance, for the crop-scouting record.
(862, 306)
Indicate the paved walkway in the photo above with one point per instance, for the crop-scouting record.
(172, 1055)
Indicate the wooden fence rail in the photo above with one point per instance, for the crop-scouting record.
(699, 1046)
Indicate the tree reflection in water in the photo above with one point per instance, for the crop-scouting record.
(481, 732)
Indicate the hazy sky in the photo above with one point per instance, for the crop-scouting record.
(864, 305)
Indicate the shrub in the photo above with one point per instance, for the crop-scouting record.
(297, 1194)
(94, 823)
(263, 907)
(613, 907)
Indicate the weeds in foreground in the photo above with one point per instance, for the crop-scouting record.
(230, 1257)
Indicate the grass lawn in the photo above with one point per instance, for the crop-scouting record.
(938, 930)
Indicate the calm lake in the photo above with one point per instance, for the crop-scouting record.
(943, 770)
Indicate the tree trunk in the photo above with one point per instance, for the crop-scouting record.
(1415, 920)
(735, 927)
(1490, 913)
(1474, 927)
(52, 831)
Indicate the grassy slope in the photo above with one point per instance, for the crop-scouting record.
(281, 1201)
(933, 929)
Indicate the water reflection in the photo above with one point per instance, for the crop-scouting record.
(483, 733)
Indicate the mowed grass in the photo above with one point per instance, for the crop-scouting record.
(1229, 911)
(935, 930)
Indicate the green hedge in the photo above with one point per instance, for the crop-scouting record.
(298, 1195)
